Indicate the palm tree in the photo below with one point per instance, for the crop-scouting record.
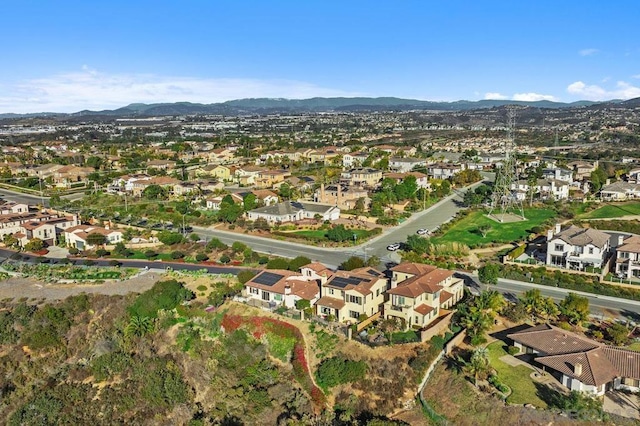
(478, 364)
(138, 326)
(491, 301)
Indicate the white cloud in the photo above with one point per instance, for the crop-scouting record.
(593, 92)
(495, 95)
(91, 89)
(588, 52)
(532, 97)
(635, 76)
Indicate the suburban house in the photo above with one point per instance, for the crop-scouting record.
(270, 178)
(265, 196)
(558, 174)
(218, 171)
(628, 257)
(582, 169)
(281, 287)
(77, 236)
(293, 211)
(9, 207)
(166, 182)
(579, 363)
(341, 196)
(166, 165)
(213, 203)
(348, 295)
(365, 177)
(544, 189)
(403, 165)
(42, 230)
(620, 191)
(418, 293)
(355, 159)
(66, 176)
(576, 248)
(422, 180)
(443, 170)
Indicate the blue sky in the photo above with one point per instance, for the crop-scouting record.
(70, 55)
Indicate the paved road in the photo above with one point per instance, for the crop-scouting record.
(432, 217)
(600, 306)
(23, 198)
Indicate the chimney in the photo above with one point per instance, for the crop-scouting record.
(608, 182)
(549, 234)
(558, 228)
(287, 290)
(620, 240)
(577, 369)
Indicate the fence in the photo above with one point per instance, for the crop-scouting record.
(439, 327)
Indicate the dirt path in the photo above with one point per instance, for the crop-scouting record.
(29, 288)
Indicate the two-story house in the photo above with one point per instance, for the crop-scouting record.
(366, 177)
(77, 236)
(628, 257)
(348, 295)
(577, 248)
(418, 293)
(278, 287)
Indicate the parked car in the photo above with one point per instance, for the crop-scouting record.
(393, 247)
(422, 231)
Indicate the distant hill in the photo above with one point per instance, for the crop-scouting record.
(278, 105)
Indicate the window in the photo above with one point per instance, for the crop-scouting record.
(377, 292)
(266, 295)
(326, 311)
(330, 291)
(416, 320)
(559, 247)
(590, 250)
(277, 297)
(253, 290)
(354, 314)
(624, 254)
(398, 300)
(355, 299)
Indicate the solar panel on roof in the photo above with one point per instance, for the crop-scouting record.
(267, 278)
(342, 282)
(372, 272)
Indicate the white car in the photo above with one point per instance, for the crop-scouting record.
(393, 247)
(422, 231)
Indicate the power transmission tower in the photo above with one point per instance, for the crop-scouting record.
(504, 198)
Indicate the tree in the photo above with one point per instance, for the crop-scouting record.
(138, 326)
(94, 161)
(478, 364)
(35, 244)
(484, 230)
(598, 179)
(575, 308)
(278, 263)
(154, 192)
(250, 202)
(618, 334)
(488, 274)
(229, 211)
(418, 244)
(537, 305)
(245, 275)
(216, 244)
(354, 262)
(10, 241)
(170, 238)
(515, 312)
(339, 233)
(298, 262)
(96, 239)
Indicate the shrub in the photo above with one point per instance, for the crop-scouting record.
(101, 252)
(245, 275)
(564, 325)
(163, 295)
(278, 263)
(201, 257)
(296, 263)
(352, 263)
(263, 260)
(337, 370)
(216, 244)
(150, 254)
(513, 350)
(169, 238)
(225, 259)
(177, 254)
(73, 251)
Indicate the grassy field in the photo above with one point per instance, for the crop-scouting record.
(610, 211)
(634, 346)
(517, 378)
(466, 231)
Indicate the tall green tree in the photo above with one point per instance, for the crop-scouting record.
(575, 308)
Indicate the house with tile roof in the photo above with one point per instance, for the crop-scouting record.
(348, 295)
(627, 263)
(419, 293)
(579, 363)
(77, 236)
(277, 287)
(293, 211)
(576, 248)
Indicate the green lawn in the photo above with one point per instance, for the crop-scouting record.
(613, 210)
(634, 346)
(517, 378)
(466, 232)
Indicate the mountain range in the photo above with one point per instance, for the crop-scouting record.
(278, 105)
